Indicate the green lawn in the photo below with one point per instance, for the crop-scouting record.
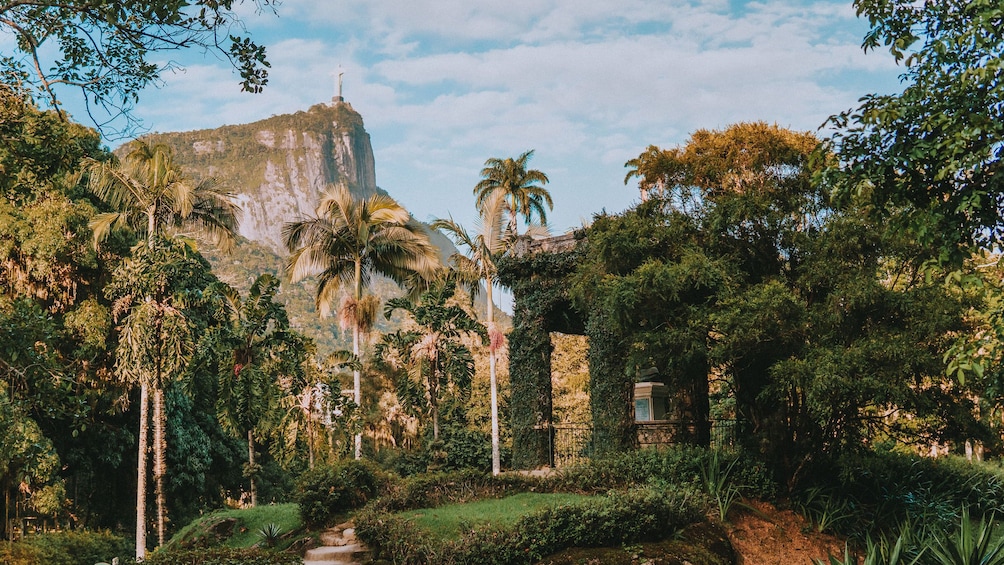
(249, 522)
(445, 522)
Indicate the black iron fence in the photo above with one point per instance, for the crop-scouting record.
(572, 443)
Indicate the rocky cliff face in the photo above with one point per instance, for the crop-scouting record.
(278, 168)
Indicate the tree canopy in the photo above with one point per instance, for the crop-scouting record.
(108, 50)
(522, 189)
(818, 323)
(928, 159)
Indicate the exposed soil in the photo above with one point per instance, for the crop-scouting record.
(702, 543)
(759, 535)
(769, 536)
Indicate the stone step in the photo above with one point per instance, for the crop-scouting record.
(336, 537)
(329, 555)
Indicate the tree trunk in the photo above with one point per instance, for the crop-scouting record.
(493, 381)
(434, 399)
(356, 380)
(141, 473)
(310, 442)
(251, 469)
(435, 423)
(159, 463)
(357, 391)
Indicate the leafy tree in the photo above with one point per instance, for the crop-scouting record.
(153, 293)
(258, 350)
(655, 172)
(345, 244)
(38, 151)
(44, 230)
(523, 190)
(477, 266)
(314, 409)
(433, 354)
(821, 323)
(30, 375)
(150, 195)
(106, 49)
(55, 321)
(928, 159)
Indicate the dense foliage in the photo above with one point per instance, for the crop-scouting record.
(68, 548)
(608, 521)
(875, 493)
(328, 491)
(823, 328)
(928, 159)
(224, 556)
(107, 49)
(59, 408)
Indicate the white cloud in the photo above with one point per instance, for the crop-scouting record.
(589, 84)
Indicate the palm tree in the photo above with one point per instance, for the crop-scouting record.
(313, 402)
(148, 194)
(477, 266)
(433, 352)
(257, 349)
(345, 244)
(524, 192)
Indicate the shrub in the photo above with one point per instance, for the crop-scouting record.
(223, 556)
(878, 491)
(971, 543)
(402, 462)
(640, 515)
(468, 449)
(435, 489)
(17, 553)
(327, 491)
(77, 547)
(677, 465)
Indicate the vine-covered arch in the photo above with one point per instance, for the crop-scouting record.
(539, 274)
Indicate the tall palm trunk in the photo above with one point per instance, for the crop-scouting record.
(435, 421)
(159, 441)
(144, 401)
(310, 442)
(356, 378)
(493, 379)
(434, 396)
(251, 469)
(159, 463)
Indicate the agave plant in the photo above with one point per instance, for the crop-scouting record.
(270, 534)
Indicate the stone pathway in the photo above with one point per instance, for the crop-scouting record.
(340, 547)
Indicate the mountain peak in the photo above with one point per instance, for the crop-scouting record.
(277, 168)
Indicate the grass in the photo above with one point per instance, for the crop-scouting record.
(249, 522)
(445, 522)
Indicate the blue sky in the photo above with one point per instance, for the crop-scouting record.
(587, 84)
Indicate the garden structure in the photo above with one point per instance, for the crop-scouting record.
(538, 273)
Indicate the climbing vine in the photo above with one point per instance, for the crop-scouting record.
(542, 305)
